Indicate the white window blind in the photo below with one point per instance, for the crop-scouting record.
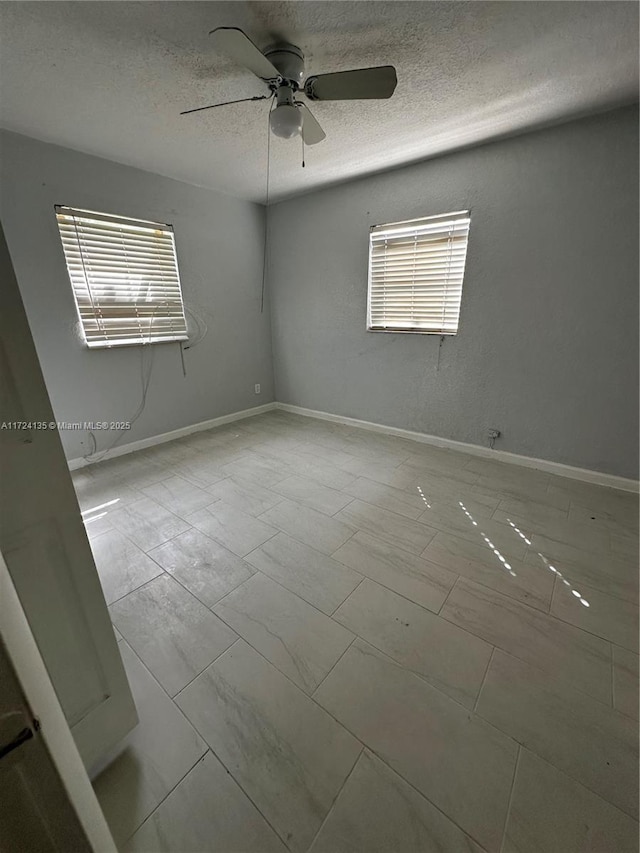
(124, 275)
(416, 270)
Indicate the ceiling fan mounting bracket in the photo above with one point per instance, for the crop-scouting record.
(289, 60)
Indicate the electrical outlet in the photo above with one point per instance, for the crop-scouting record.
(256, 388)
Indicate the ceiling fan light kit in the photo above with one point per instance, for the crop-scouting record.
(281, 67)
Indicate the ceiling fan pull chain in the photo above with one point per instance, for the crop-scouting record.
(266, 212)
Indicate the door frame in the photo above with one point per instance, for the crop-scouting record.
(41, 697)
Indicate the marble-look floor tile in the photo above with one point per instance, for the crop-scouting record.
(368, 446)
(537, 514)
(299, 640)
(386, 475)
(440, 490)
(611, 618)
(626, 681)
(568, 530)
(438, 502)
(313, 576)
(618, 522)
(207, 812)
(449, 658)
(258, 469)
(593, 744)
(236, 530)
(177, 495)
(99, 494)
(625, 545)
(97, 523)
(309, 526)
(599, 498)
(288, 754)
(513, 486)
(486, 532)
(199, 469)
(313, 494)
(552, 812)
(399, 501)
(160, 751)
(378, 812)
(416, 579)
(202, 565)
(136, 469)
(304, 463)
(436, 458)
(332, 455)
(121, 565)
(398, 531)
(504, 471)
(583, 660)
(610, 574)
(148, 523)
(247, 496)
(426, 737)
(560, 530)
(529, 584)
(423, 472)
(169, 452)
(172, 632)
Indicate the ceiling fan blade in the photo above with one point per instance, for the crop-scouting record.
(352, 85)
(312, 133)
(238, 46)
(225, 104)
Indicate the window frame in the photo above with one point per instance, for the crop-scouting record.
(462, 215)
(103, 343)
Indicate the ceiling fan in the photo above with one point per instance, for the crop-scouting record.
(281, 67)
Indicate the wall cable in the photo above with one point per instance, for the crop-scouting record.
(439, 348)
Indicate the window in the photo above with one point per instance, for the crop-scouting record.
(415, 274)
(124, 275)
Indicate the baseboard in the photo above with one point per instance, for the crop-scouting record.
(123, 449)
(586, 475)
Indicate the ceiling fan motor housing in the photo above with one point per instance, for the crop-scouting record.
(289, 60)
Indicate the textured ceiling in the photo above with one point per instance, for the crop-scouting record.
(109, 78)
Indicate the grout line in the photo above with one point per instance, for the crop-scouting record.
(216, 658)
(167, 795)
(446, 598)
(331, 555)
(320, 683)
(136, 589)
(424, 797)
(613, 680)
(335, 799)
(511, 793)
(182, 689)
(286, 589)
(353, 591)
(150, 673)
(484, 678)
(346, 506)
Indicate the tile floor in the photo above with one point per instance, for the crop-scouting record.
(343, 641)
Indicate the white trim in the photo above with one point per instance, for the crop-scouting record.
(123, 449)
(39, 692)
(586, 475)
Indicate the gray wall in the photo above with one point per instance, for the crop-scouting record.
(219, 242)
(547, 349)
